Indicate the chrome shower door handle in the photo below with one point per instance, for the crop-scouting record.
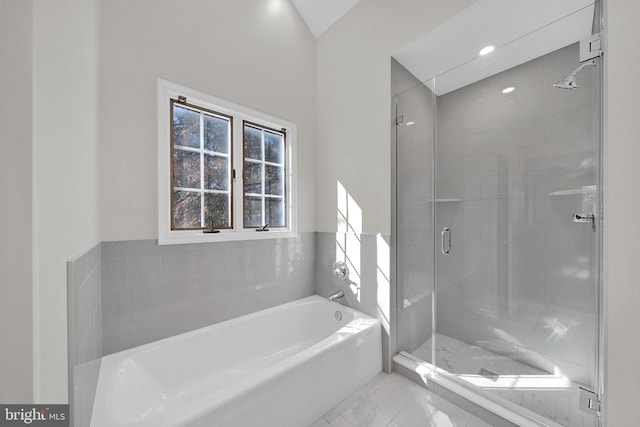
(588, 218)
(445, 236)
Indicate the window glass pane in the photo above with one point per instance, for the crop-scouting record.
(216, 134)
(253, 177)
(253, 212)
(216, 173)
(186, 127)
(252, 143)
(186, 209)
(273, 147)
(186, 169)
(274, 183)
(274, 210)
(217, 208)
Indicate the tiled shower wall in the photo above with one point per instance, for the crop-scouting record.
(84, 308)
(368, 288)
(520, 279)
(151, 292)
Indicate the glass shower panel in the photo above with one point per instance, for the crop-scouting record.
(414, 133)
(517, 295)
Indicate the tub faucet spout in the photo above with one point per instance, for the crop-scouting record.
(334, 296)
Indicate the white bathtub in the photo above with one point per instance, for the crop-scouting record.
(284, 366)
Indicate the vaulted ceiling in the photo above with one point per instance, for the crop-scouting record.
(520, 30)
(321, 14)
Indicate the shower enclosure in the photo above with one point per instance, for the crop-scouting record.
(497, 234)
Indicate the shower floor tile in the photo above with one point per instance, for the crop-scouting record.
(394, 401)
(519, 383)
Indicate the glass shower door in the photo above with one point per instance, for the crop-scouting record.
(414, 148)
(517, 191)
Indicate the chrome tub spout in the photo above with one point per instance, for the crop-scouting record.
(334, 296)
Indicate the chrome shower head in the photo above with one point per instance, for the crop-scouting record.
(569, 82)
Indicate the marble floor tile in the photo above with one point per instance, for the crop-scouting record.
(378, 401)
(320, 423)
(394, 401)
(425, 409)
(557, 404)
(332, 419)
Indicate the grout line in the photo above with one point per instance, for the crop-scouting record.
(406, 403)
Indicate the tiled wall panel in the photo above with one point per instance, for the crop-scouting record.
(85, 340)
(368, 288)
(151, 292)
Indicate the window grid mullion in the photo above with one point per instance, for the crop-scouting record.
(280, 165)
(269, 196)
(202, 199)
(238, 142)
(250, 160)
(264, 174)
(198, 190)
(215, 153)
(185, 148)
(198, 150)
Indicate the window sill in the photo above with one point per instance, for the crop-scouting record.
(182, 237)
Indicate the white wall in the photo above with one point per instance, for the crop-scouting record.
(354, 92)
(623, 205)
(65, 172)
(16, 333)
(254, 53)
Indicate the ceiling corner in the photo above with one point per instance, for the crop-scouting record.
(319, 15)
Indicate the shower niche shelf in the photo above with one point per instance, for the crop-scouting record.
(587, 189)
(444, 200)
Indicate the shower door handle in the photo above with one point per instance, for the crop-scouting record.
(588, 218)
(445, 236)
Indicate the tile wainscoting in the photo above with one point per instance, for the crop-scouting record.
(368, 288)
(84, 332)
(151, 292)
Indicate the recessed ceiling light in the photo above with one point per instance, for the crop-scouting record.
(486, 50)
(508, 89)
(275, 6)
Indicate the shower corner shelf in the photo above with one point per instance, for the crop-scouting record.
(444, 200)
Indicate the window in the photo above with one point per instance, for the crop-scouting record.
(201, 187)
(222, 168)
(264, 172)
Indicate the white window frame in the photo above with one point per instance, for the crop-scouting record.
(240, 114)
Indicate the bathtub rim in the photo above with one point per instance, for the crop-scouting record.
(244, 317)
(195, 408)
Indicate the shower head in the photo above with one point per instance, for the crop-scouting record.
(569, 82)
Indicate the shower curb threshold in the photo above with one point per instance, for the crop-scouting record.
(509, 411)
